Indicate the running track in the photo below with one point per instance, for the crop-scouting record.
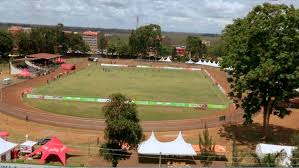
(13, 105)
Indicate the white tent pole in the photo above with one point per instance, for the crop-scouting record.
(160, 160)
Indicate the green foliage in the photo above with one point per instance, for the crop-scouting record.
(207, 148)
(122, 48)
(49, 40)
(164, 50)
(217, 50)
(111, 48)
(268, 160)
(263, 54)
(103, 42)
(235, 155)
(6, 44)
(144, 38)
(195, 47)
(122, 126)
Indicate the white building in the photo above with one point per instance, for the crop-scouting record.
(91, 39)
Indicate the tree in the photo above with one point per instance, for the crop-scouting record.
(111, 48)
(263, 58)
(6, 44)
(122, 127)
(23, 42)
(207, 148)
(122, 48)
(217, 50)
(145, 38)
(195, 46)
(268, 160)
(164, 51)
(102, 43)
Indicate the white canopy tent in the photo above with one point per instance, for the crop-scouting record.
(208, 63)
(167, 59)
(190, 62)
(27, 146)
(162, 59)
(5, 149)
(263, 149)
(177, 147)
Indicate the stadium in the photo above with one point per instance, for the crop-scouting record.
(168, 95)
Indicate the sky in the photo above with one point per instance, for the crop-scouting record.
(198, 16)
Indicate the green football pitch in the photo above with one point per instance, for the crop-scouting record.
(138, 84)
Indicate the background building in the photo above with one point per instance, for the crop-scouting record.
(91, 39)
(16, 29)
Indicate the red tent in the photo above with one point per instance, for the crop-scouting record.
(24, 73)
(52, 147)
(4, 134)
(68, 67)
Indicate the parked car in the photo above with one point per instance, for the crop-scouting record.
(43, 141)
(91, 58)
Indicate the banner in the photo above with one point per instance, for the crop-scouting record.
(148, 103)
(155, 67)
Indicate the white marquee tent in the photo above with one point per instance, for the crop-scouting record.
(5, 149)
(167, 59)
(162, 59)
(208, 63)
(263, 149)
(190, 62)
(177, 147)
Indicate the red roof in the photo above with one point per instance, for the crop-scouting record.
(53, 147)
(44, 56)
(90, 33)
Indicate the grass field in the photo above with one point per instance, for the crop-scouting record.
(138, 84)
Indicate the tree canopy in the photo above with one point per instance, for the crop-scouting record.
(6, 43)
(144, 38)
(122, 127)
(49, 40)
(263, 59)
(195, 47)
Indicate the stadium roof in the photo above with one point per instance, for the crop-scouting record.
(44, 56)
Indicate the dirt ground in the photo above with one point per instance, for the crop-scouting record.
(12, 104)
(86, 142)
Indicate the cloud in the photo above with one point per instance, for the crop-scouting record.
(203, 16)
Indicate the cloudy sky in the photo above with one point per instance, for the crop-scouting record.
(200, 16)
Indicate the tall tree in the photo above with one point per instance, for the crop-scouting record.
(164, 51)
(111, 48)
(216, 50)
(6, 44)
(102, 43)
(263, 58)
(122, 127)
(195, 46)
(145, 38)
(122, 48)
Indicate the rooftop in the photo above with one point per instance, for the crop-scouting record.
(90, 33)
(44, 56)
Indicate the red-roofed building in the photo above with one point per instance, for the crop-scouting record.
(91, 39)
(180, 51)
(16, 29)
